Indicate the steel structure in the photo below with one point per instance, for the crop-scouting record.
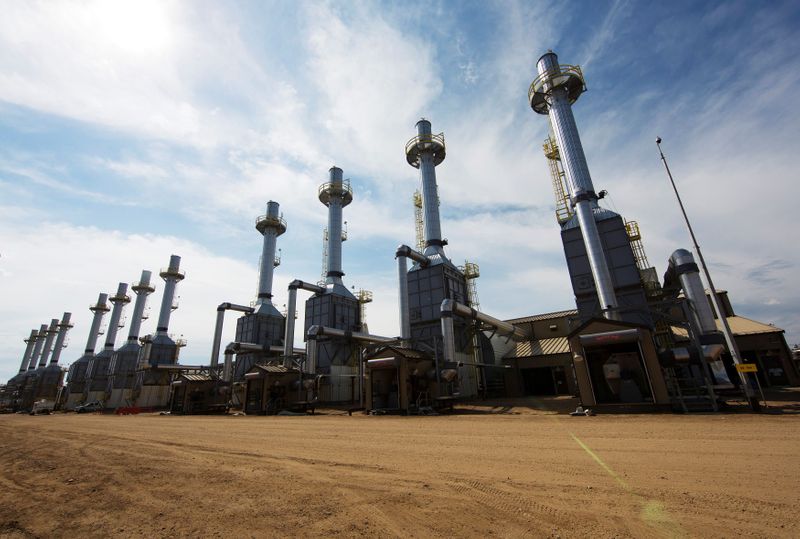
(76, 376)
(97, 373)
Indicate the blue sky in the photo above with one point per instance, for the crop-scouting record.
(130, 131)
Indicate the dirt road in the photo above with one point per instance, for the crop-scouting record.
(520, 474)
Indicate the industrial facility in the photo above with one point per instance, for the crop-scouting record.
(632, 341)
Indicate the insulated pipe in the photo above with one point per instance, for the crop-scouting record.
(291, 306)
(48, 342)
(218, 327)
(172, 276)
(689, 274)
(503, 328)
(37, 348)
(142, 289)
(227, 369)
(63, 328)
(561, 89)
(424, 152)
(335, 194)
(30, 342)
(405, 317)
(271, 225)
(118, 300)
(314, 332)
(99, 309)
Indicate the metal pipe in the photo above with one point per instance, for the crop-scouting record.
(311, 356)
(227, 368)
(291, 307)
(314, 332)
(63, 327)
(99, 309)
(218, 327)
(416, 256)
(271, 225)
(689, 274)
(172, 276)
(405, 317)
(142, 289)
(505, 329)
(726, 328)
(48, 342)
(561, 90)
(37, 347)
(448, 336)
(425, 152)
(119, 300)
(30, 342)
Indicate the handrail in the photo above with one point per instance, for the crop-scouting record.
(424, 139)
(556, 76)
(343, 188)
(268, 219)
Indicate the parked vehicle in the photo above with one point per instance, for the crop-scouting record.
(94, 406)
(43, 406)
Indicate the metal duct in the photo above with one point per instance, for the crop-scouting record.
(448, 335)
(37, 347)
(270, 225)
(335, 194)
(315, 332)
(99, 309)
(142, 289)
(291, 307)
(218, 327)
(685, 267)
(118, 300)
(63, 327)
(405, 316)
(172, 276)
(553, 92)
(505, 329)
(30, 342)
(425, 152)
(48, 342)
(227, 369)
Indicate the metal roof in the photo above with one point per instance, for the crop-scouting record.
(739, 326)
(544, 316)
(272, 368)
(540, 347)
(196, 377)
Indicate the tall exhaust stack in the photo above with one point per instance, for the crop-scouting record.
(552, 93)
(119, 300)
(37, 347)
(63, 327)
(48, 342)
(30, 342)
(270, 225)
(142, 289)
(335, 194)
(425, 152)
(172, 276)
(99, 310)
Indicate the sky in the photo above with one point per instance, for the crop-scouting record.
(130, 131)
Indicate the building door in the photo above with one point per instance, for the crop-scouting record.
(538, 381)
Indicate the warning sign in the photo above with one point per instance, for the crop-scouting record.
(747, 367)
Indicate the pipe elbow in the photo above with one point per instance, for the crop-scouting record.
(447, 307)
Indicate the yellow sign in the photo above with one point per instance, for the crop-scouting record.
(747, 367)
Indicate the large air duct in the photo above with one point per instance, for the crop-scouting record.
(682, 262)
(99, 309)
(48, 342)
(218, 327)
(552, 93)
(30, 342)
(425, 152)
(142, 289)
(63, 327)
(37, 347)
(403, 253)
(335, 194)
(288, 340)
(118, 300)
(271, 225)
(172, 275)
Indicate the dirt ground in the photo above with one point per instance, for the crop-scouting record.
(483, 472)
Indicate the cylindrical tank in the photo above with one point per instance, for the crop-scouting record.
(270, 225)
(689, 275)
(142, 289)
(335, 194)
(37, 347)
(63, 328)
(119, 300)
(99, 309)
(48, 342)
(30, 342)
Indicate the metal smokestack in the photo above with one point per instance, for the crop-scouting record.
(37, 347)
(99, 309)
(48, 342)
(335, 194)
(30, 342)
(119, 300)
(425, 152)
(172, 276)
(270, 225)
(142, 289)
(63, 328)
(553, 92)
